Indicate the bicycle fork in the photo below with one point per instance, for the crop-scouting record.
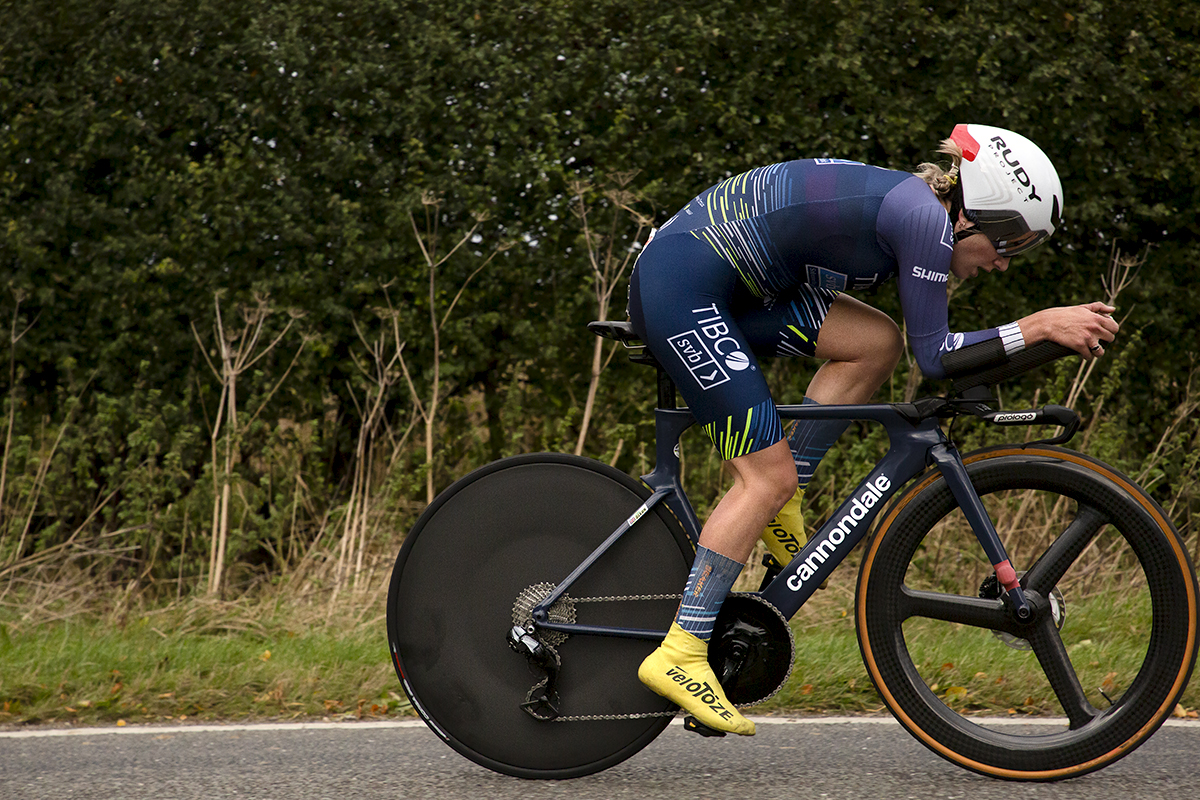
(950, 464)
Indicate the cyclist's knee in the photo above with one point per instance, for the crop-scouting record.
(780, 485)
(890, 346)
(785, 487)
(769, 473)
(880, 347)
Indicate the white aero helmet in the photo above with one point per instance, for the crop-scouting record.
(1010, 189)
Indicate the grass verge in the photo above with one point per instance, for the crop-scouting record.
(206, 661)
(195, 661)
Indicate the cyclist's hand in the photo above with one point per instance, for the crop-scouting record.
(1086, 329)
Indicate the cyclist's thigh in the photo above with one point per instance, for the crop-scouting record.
(854, 330)
(679, 303)
(787, 325)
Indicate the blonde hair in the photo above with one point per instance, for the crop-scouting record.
(940, 180)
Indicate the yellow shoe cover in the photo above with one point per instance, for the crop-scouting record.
(785, 535)
(679, 671)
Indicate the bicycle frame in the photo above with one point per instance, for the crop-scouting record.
(914, 445)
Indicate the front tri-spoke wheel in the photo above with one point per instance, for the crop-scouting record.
(1098, 668)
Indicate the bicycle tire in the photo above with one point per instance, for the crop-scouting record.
(1112, 519)
(512, 524)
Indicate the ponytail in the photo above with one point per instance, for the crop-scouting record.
(945, 183)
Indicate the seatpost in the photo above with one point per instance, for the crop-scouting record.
(669, 424)
(666, 389)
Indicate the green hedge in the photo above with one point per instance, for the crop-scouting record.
(155, 155)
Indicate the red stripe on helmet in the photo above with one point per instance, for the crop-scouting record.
(966, 141)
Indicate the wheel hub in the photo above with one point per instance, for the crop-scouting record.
(1057, 607)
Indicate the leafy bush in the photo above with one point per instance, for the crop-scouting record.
(161, 162)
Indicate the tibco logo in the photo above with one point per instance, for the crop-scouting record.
(737, 361)
(710, 351)
(717, 331)
(690, 348)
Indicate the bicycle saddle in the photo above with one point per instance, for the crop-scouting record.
(620, 331)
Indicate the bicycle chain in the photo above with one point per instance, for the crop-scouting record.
(567, 612)
(616, 717)
(621, 598)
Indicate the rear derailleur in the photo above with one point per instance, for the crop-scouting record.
(542, 701)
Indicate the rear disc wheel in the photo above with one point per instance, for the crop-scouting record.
(480, 556)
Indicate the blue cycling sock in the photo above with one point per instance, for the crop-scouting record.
(708, 584)
(810, 439)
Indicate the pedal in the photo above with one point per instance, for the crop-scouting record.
(773, 570)
(694, 725)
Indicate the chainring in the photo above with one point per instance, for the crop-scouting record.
(751, 650)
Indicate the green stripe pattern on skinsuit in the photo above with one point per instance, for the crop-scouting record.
(736, 437)
(736, 227)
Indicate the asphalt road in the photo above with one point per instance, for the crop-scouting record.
(803, 758)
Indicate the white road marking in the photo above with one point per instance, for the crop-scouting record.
(416, 723)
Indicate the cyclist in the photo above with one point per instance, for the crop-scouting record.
(757, 265)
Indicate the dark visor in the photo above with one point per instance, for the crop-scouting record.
(1007, 231)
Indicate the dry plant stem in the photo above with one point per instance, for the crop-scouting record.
(617, 453)
(238, 352)
(1171, 441)
(43, 469)
(72, 543)
(182, 551)
(13, 338)
(1174, 440)
(381, 374)
(1184, 412)
(1122, 271)
(397, 445)
(298, 582)
(374, 601)
(607, 267)
(428, 242)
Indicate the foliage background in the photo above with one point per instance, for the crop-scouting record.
(163, 162)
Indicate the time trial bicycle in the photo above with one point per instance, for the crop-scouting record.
(527, 594)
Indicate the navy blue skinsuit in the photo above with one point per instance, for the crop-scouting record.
(751, 266)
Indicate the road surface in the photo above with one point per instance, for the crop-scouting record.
(807, 758)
